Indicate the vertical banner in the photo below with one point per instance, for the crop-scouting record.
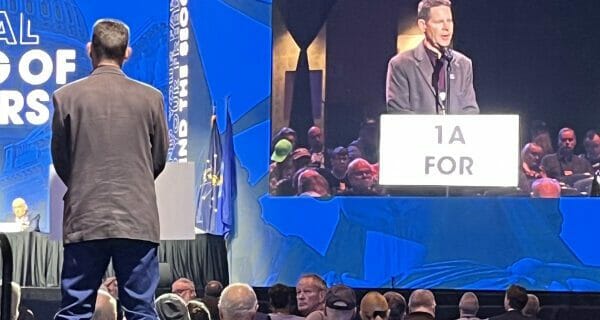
(177, 117)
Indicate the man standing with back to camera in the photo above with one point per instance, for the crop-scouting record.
(414, 76)
(109, 143)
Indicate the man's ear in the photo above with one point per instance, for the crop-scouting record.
(422, 24)
(128, 52)
(88, 49)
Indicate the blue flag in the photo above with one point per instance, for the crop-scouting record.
(216, 196)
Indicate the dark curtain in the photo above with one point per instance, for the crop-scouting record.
(37, 260)
(304, 19)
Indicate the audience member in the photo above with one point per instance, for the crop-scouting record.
(106, 306)
(339, 166)
(565, 165)
(238, 302)
(353, 153)
(184, 288)
(284, 133)
(198, 310)
(545, 188)
(340, 304)
(212, 292)
(312, 184)
(397, 305)
(468, 306)
(374, 306)
(421, 305)
(592, 149)
(368, 141)
(541, 136)
(532, 308)
(282, 166)
(530, 166)
(310, 294)
(514, 301)
(280, 299)
(360, 178)
(170, 306)
(316, 147)
(111, 286)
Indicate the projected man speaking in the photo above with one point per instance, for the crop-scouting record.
(419, 80)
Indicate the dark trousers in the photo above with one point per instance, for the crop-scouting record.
(136, 267)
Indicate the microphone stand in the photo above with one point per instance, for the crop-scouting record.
(447, 55)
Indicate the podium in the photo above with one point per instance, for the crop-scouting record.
(174, 197)
(449, 150)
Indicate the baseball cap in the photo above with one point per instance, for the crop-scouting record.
(340, 297)
(283, 148)
(299, 153)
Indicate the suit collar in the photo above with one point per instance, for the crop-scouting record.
(107, 69)
(424, 65)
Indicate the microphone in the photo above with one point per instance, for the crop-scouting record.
(447, 54)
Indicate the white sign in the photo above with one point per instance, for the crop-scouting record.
(450, 150)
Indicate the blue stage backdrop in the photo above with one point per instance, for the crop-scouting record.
(42, 46)
(363, 242)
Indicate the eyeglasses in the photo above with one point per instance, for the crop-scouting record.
(381, 314)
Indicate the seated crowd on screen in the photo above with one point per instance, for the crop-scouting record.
(315, 170)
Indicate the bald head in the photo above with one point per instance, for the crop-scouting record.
(545, 188)
(468, 305)
(238, 302)
(213, 289)
(373, 306)
(421, 300)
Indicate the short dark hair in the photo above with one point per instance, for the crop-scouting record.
(110, 39)
(425, 6)
(396, 303)
(280, 296)
(516, 296)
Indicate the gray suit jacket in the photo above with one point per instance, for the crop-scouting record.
(409, 87)
(109, 143)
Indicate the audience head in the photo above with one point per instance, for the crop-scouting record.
(397, 305)
(354, 153)
(360, 175)
(184, 288)
(374, 306)
(541, 136)
(422, 300)
(213, 289)
(532, 307)
(531, 155)
(339, 160)
(170, 306)
(301, 158)
(280, 298)
(198, 310)
(238, 302)
(310, 294)
(106, 306)
(468, 305)
(110, 40)
(285, 133)
(311, 183)
(566, 141)
(545, 188)
(592, 145)
(340, 303)
(516, 298)
(283, 148)
(315, 138)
